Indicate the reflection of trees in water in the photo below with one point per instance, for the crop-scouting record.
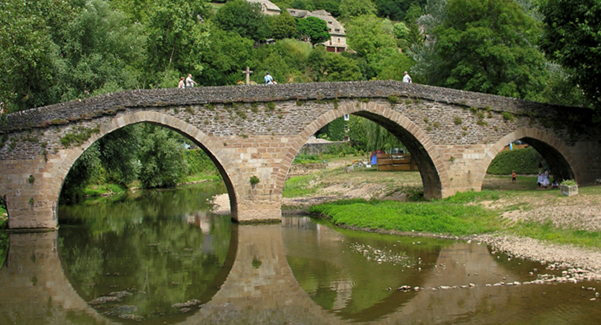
(146, 246)
(341, 280)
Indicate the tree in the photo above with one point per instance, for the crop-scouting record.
(27, 39)
(283, 26)
(176, 36)
(366, 35)
(162, 158)
(572, 38)
(314, 28)
(226, 55)
(487, 46)
(332, 67)
(355, 8)
(244, 18)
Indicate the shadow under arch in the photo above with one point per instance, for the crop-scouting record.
(553, 150)
(190, 131)
(431, 167)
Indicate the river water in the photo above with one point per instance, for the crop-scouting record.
(159, 257)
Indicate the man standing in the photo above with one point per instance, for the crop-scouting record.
(189, 82)
(407, 78)
(268, 79)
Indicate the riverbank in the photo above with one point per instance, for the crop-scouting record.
(516, 218)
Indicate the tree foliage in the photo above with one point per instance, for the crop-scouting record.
(355, 8)
(487, 46)
(313, 28)
(572, 37)
(244, 18)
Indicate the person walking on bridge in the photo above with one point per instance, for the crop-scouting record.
(269, 79)
(189, 82)
(407, 79)
(181, 83)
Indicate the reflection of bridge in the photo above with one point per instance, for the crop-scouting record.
(257, 131)
(35, 289)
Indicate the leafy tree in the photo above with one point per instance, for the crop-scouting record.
(118, 153)
(366, 35)
(332, 67)
(369, 136)
(176, 36)
(314, 28)
(389, 64)
(333, 7)
(162, 158)
(27, 31)
(486, 46)
(101, 52)
(395, 9)
(572, 38)
(283, 25)
(355, 8)
(244, 18)
(226, 55)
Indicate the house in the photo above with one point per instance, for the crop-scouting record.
(268, 7)
(337, 42)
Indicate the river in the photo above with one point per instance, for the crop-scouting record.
(160, 257)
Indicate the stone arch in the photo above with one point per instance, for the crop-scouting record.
(433, 172)
(553, 150)
(226, 168)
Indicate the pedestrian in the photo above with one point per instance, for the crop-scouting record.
(407, 79)
(181, 83)
(268, 79)
(189, 82)
(513, 176)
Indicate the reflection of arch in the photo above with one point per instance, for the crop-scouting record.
(431, 167)
(553, 150)
(222, 163)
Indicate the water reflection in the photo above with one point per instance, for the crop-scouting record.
(146, 256)
(301, 272)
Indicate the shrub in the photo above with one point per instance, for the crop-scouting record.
(457, 120)
(254, 180)
(569, 182)
(523, 161)
(507, 116)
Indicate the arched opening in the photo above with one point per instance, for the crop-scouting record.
(418, 146)
(157, 248)
(545, 152)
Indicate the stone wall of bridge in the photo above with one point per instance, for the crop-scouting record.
(258, 130)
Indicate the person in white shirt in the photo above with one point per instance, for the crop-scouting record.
(268, 79)
(407, 78)
(189, 82)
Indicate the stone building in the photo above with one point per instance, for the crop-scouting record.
(337, 42)
(268, 7)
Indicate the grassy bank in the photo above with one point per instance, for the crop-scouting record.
(464, 214)
(502, 207)
(432, 217)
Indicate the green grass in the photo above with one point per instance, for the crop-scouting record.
(98, 190)
(556, 235)
(201, 176)
(433, 217)
(300, 186)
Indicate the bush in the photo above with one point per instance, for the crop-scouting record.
(199, 162)
(523, 161)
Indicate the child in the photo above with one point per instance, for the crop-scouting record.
(513, 176)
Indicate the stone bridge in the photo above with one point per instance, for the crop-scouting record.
(258, 130)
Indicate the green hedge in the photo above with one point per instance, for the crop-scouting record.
(199, 162)
(523, 161)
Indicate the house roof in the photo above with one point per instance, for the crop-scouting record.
(333, 25)
(268, 4)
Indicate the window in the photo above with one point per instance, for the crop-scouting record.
(329, 22)
(337, 29)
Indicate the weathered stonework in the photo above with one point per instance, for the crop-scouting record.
(258, 130)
